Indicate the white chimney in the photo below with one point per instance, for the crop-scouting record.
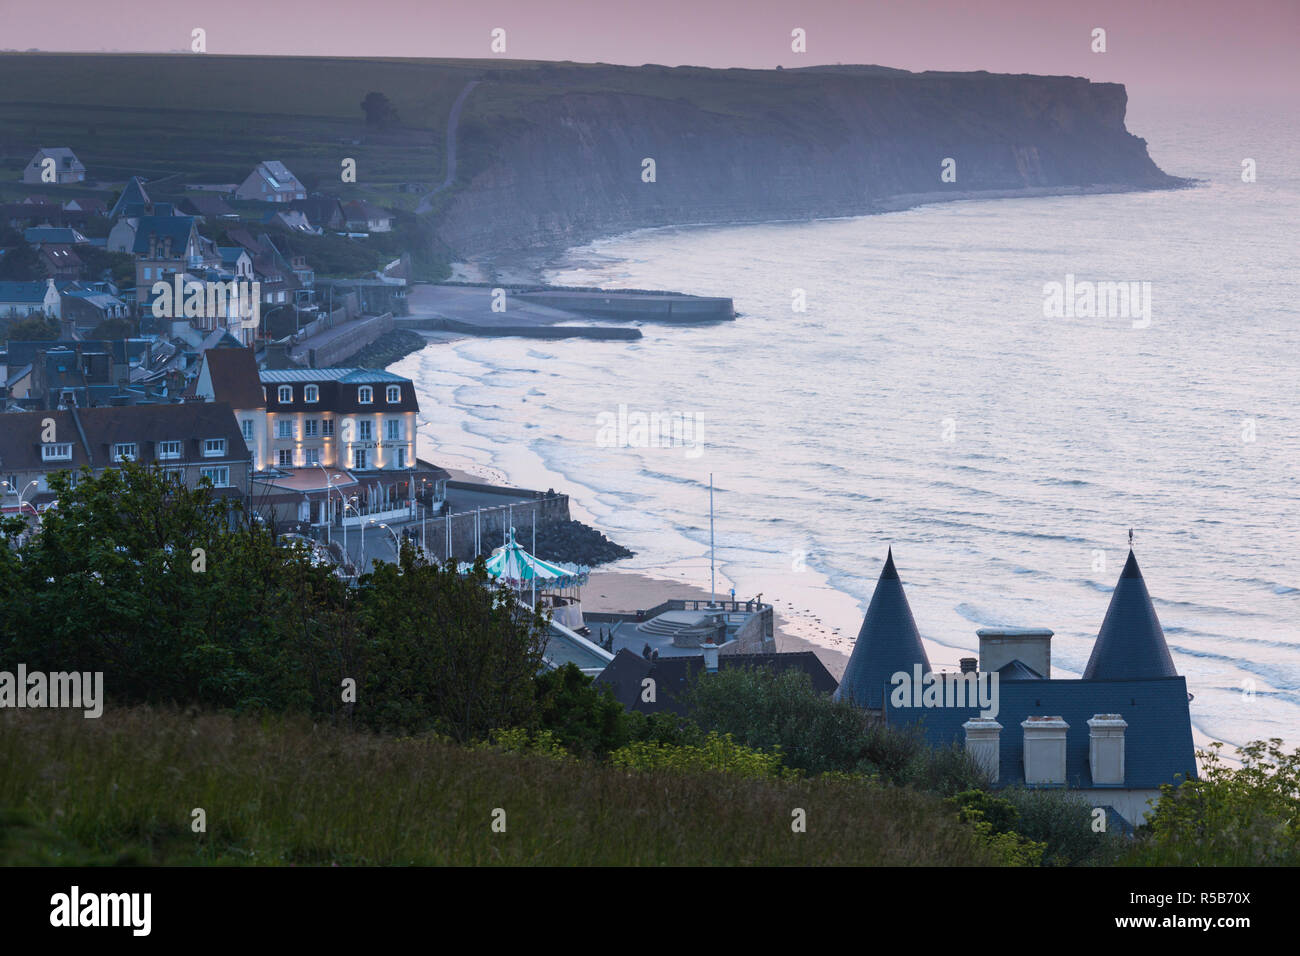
(1044, 749)
(1106, 748)
(710, 657)
(984, 744)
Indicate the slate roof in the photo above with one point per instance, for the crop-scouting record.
(176, 228)
(338, 390)
(213, 206)
(33, 292)
(146, 425)
(887, 643)
(1131, 642)
(1018, 670)
(1157, 743)
(59, 235)
(359, 376)
(133, 195)
(673, 675)
(234, 377)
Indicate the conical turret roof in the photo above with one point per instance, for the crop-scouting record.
(1131, 644)
(887, 643)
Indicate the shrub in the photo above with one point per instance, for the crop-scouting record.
(717, 753)
(1248, 816)
(816, 734)
(1063, 822)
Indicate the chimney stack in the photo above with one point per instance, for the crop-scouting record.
(999, 646)
(1044, 750)
(710, 657)
(969, 665)
(1106, 748)
(984, 744)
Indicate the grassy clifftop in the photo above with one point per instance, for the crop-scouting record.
(122, 789)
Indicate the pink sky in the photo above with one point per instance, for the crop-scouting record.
(1241, 51)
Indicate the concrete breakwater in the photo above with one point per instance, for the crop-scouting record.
(521, 331)
(630, 306)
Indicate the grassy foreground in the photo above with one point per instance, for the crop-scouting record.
(276, 791)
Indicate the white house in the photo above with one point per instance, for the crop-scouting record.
(271, 181)
(54, 166)
(25, 298)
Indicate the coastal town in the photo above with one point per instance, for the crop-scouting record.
(324, 452)
(330, 419)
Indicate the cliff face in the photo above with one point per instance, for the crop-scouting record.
(737, 146)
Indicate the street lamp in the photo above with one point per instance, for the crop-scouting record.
(329, 504)
(351, 503)
(20, 494)
(397, 544)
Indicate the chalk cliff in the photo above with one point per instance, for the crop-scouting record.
(562, 162)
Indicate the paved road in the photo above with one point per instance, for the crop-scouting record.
(453, 120)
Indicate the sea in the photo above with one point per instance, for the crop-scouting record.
(903, 381)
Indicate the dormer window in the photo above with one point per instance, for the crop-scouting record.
(214, 447)
(169, 449)
(311, 394)
(124, 451)
(394, 394)
(286, 394)
(365, 395)
(57, 451)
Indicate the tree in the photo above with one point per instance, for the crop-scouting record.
(114, 328)
(21, 264)
(586, 719)
(32, 328)
(445, 651)
(117, 267)
(379, 111)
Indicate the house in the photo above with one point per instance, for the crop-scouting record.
(194, 442)
(322, 211)
(290, 220)
(54, 165)
(355, 418)
(134, 201)
(237, 261)
(230, 376)
(87, 304)
(271, 181)
(366, 217)
(627, 674)
(91, 207)
(25, 298)
(1115, 736)
(356, 424)
(207, 207)
(165, 245)
(63, 236)
(60, 261)
(78, 372)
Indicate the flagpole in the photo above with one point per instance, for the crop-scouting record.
(713, 591)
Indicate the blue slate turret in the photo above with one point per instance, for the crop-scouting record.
(1131, 643)
(887, 643)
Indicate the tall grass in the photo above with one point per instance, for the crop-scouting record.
(122, 789)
